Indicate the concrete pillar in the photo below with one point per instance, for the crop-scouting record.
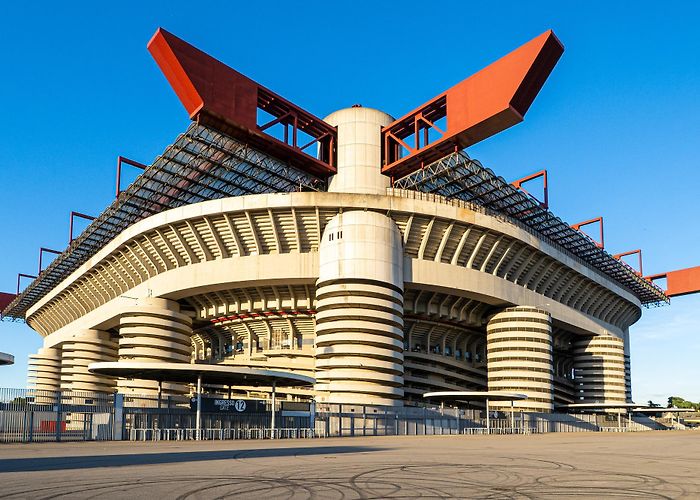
(45, 374)
(628, 369)
(359, 151)
(519, 357)
(82, 349)
(154, 330)
(359, 319)
(599, 369)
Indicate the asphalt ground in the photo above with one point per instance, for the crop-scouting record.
(581, 465)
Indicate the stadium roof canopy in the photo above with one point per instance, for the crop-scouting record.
(221, 155)
(456, 176)
(202, 164)
(205, 164)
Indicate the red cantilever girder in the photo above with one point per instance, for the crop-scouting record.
(5, 299)
(219, 96)
(680, 282)
(488, 102)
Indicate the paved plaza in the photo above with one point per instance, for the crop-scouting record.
(585, 465)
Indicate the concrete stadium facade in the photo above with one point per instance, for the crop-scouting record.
(380, 294)
(241, 249)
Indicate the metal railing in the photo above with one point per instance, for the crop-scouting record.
(191, 434)
(32, 416)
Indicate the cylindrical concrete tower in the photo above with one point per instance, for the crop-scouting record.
(359, 320)
(519, 356)
(45, 374)
(154, 330)
(359, 151)
(599, 370)
(84, 348)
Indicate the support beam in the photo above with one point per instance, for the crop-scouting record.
(544, 203)
(73, 215)
(125, 161)
(488, 102)
(619, 256)
(601, 242)
(218, 96)
(43, 250)
(680, 282)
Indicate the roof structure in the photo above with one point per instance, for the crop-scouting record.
(457, 176)
(202, 164)
(221, 155)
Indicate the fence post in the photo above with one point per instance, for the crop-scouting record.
(58, 416)
(118, 416)
(312, 418)
(31, 426)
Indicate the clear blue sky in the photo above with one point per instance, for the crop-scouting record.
(617, 123)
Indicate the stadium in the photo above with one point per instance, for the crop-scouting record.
(368, 253)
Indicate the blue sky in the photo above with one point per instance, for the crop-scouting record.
(616, 125)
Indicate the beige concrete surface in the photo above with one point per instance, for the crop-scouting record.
(635, 465)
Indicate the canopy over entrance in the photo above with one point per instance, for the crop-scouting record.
(6, 359)
(190, 373)
(467, 396)
(196, 373)
(592, 407)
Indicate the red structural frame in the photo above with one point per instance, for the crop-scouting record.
(125, 161)
(680, 282)
(6, 299)
(43, 250)
(73, 215)
(545, 189)
(601, 243)
(218, 96)
(22, 275)
(488, 102)
(619, 256)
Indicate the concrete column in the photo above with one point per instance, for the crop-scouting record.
(86, 347)
(519, 357)
(628, 369)
(599, 369)
(359, 151)
(154, 330)
(45, 374)
(359, 319)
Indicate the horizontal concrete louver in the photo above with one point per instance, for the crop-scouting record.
(519, 356)
(154, 330)
(84, 348)
(600, 370)
(45, 374)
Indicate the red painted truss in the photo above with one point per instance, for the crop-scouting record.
(488, 102)
(681, 282)
(217, 95)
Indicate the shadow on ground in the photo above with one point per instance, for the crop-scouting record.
(95, 461)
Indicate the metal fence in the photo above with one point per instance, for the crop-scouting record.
(33, 416)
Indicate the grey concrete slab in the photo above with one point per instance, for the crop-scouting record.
(585, 465)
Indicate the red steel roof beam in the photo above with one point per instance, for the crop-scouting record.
(619, 256)
(5, 300)
(680, 282)
(43, 250)
(488, 102)
(120, 161)
(218, 96)
(22, 275)
(73, 215)
(601, 242)
(545, 189)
